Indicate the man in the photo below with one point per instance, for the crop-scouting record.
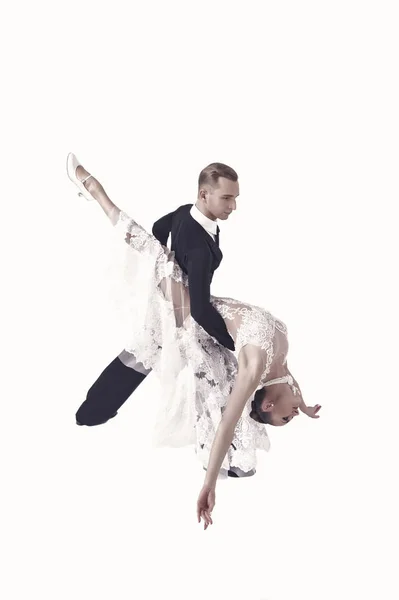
(195, 242)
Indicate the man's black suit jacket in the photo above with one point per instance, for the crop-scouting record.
(198, 255)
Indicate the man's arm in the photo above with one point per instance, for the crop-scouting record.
(199, 264)
(162, 228)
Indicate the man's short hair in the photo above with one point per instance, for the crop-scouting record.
(211, 174)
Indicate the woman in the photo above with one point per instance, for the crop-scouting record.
(207, 391)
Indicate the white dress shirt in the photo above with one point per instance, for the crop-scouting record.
(209, 225)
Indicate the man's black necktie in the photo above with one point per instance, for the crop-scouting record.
(217, 235)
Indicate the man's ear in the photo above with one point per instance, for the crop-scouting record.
(203, 194)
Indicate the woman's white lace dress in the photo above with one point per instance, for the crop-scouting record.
(196, 373)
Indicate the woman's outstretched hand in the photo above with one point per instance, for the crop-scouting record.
(311, 411)
(205, 505)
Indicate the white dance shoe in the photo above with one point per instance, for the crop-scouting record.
(72, 165)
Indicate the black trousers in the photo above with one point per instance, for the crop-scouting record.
(105, 397)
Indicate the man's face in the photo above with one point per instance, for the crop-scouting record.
(220, 201)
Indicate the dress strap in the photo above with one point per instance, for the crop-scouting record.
(286, 379)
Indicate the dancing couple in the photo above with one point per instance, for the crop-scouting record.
(222, 363)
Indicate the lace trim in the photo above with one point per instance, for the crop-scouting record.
(194, 397)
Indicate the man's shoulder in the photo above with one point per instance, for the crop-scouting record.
(184, 220)
(183, 210)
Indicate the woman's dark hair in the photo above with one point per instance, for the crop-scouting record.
(256, 413)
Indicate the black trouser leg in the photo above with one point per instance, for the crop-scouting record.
(114, 386)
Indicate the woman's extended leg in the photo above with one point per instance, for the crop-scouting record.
(122, 376)
(97, 191)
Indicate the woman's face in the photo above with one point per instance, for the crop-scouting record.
(285, 407)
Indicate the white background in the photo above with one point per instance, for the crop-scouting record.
(301, 98)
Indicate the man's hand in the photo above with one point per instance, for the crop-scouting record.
(311, 411)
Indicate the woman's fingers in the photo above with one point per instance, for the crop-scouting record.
(316, 410)
(201, 515)
(205, 514)
(199, 511)
(206, 518)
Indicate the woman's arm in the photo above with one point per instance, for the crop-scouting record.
(250, 368)
(310, 411)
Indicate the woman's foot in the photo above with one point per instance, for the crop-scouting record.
(89, 187)
(92, 185)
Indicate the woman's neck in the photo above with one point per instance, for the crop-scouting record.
(277, 370)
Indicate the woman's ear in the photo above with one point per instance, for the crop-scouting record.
(266, 405)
